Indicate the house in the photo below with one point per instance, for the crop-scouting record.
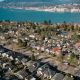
(7, 66)
(10, 55)
(26, 38)
(24, 60)
(15, 40)
(58, 76)
(45, 71)
(8, 76)
(2, 50)
(77, 46)
(2, 37)
(63, 34)
(47, 50)
(11, 58)
(32, 36)
(4, 54)
(33, 66)
(68, 78)
(11, 33)
(42, 48)
(38, 47)
(63, 66)
(77, 73)
(16, 59)
(30, 77)
(55, 50)
(22, 74)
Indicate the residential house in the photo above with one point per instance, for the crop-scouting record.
(24, 60)
(45, 71)
(58, 76)
(15, 40)
(4, 55)
(42, 48)
(33, 66)
(30, 77)
(77, 73)
(68, 78)
(2, 37)
(32, 36)
(77, 46)
(10, 77)
(8, 66)
(63, 66)
(47, 50)
(10, 55)
(55, 50)
(22, 74)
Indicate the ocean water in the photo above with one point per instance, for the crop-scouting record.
(38, 16)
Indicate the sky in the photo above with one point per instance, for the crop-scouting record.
(1, 0)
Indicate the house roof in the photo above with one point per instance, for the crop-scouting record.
(10, 77)
(62, 66)
(47, 70)
(34, 66)
(45, 66)
(55, 49)
(77, 45)
(23, 73)
(77, 73)
(30, 77)
(58, 76)
(24, 60)
(68, 78)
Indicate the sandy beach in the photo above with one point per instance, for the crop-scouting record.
(57, 8)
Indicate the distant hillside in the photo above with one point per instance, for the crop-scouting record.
(36, 3)
(29, 0)
(24, 3)
(50, 1)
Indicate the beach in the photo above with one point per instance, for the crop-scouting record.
(56, 8)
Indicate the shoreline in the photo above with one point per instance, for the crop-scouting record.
(61, 10)
(58, 8)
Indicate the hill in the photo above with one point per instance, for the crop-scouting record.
(29, 0)
(36, 3)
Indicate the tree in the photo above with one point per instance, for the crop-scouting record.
(33, 57)
(1, 72)
(13, 62)
(72, 56)
(65, 27)
(7, 21)
(19, 41)
(49, 22)
(74, 36)
(72, 28)
(1, 21)
(46, 22)
(73, 60)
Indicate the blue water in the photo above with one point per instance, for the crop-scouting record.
(38, 16)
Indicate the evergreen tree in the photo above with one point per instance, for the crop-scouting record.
(33, 57)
